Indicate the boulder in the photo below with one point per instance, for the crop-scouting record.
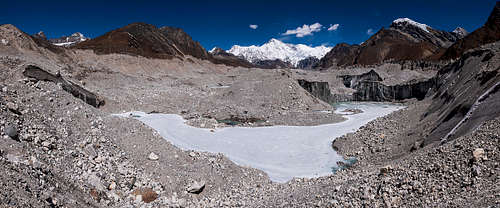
(385, 170)
(68, 86)
(196, 187)
(11, 131)
(153, 156)
(478, 154)
(145, 194)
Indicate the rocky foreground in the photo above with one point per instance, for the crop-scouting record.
(59, 152)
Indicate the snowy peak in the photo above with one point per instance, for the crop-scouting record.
(460, 32)
(405, 39)
(424, 33)
(40, 35)
(405, 22)
(274, 41)
(216, 51)
(276, 49)
(69, 40)
(78, 36)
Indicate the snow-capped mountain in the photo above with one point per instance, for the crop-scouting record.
(408, 24)
(407, 21)
(422, 32)
(275, 49)
(403, 40)
(461, 32)
(68, 40)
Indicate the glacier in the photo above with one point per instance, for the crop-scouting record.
(283, 152)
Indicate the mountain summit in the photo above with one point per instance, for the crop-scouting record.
(276, 49)
(460, 32)
(424, 33)
(488, 33)
(405, 39)
(135, 39)
(407, 22)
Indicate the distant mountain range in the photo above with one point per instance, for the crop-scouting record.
(276, 49)
(69, 40)
(65, 41)
(403, 40)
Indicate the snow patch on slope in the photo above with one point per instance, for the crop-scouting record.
(213, 50)
(64, 43)
(275, 49)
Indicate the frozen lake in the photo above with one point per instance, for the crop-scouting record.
(283, 152)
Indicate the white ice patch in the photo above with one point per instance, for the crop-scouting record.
(5, 42)
(213, 49)
(64, 44)
(283, 152)
(411, 22)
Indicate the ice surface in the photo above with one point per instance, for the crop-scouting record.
(283, 152)
(63, 44)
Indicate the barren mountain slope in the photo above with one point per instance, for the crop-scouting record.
(488, 33)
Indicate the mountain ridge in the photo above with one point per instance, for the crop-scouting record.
(67, 41)
(488, 33)
(133, 39)
(404, 40)
(276, 49)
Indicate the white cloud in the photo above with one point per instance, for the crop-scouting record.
(333, 27)
(253, 26)
(304, 30)
(370, 32)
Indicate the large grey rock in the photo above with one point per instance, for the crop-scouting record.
(196, 187)
(153, 156)
(478, 154)
(13, 108)
(76, 90)
(11, 131)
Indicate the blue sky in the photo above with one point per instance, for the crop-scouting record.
(226, 23)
